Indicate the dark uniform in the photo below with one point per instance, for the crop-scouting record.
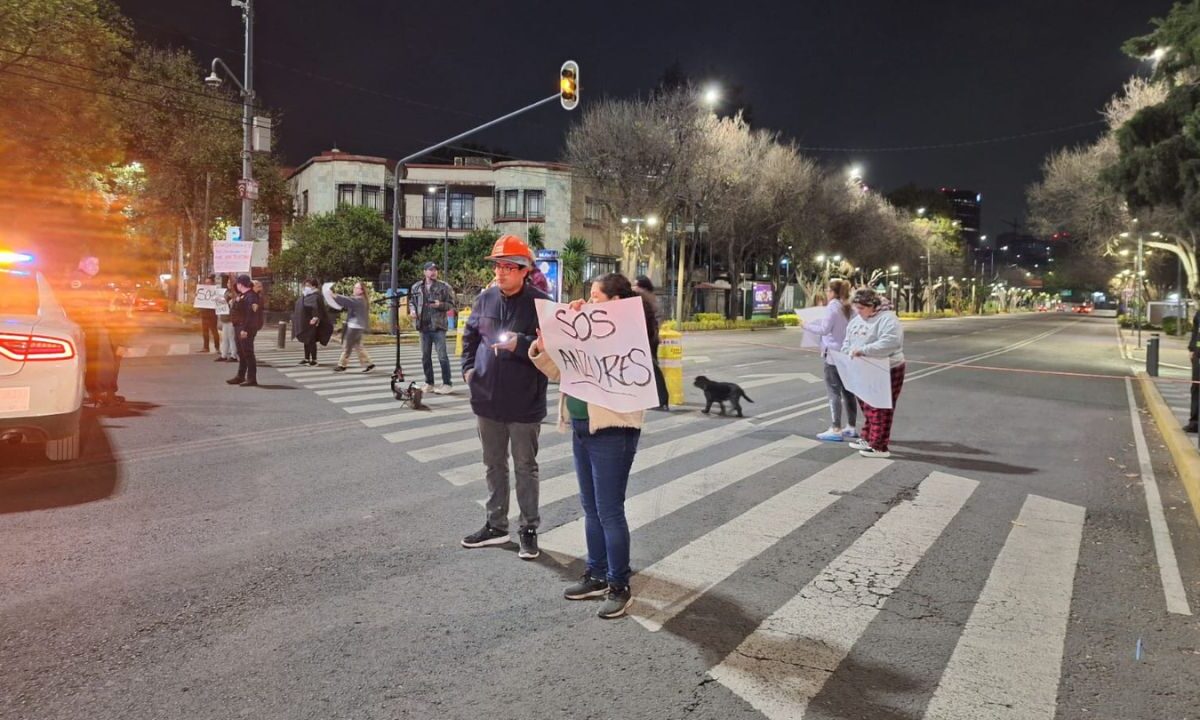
(246, 313)
(1194, 348)
(88, 305)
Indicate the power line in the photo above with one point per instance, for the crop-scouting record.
(97, 71)
(942, 146)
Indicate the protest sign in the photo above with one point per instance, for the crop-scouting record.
(810, 315)
(602, 352)
(232, 257)
(870, 379)
(207, 296)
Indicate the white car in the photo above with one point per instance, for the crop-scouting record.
(41, 363)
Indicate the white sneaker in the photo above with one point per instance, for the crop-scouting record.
(873, 453)
(443, 389)
(426, 388)
(858, 445)
(850, 433)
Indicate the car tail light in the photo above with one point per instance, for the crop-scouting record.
(28, 348)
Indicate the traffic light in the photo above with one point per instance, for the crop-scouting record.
(568, 85)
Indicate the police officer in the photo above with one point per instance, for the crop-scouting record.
(88, 305)
(246, 312)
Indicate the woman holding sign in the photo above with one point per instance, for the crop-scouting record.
(876, 333)
(832, 331)
(604, 443)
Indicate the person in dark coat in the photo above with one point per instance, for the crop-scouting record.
(508, 394)
(1194, 348)
(247, 315)
(311, 323)
(645, 288)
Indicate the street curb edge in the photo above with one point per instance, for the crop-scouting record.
(1185, 456)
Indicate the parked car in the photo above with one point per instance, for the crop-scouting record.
(41, 362)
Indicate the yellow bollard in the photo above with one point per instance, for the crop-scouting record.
(463, 315)
(670, 359)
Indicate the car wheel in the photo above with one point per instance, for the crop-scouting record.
(63, 449)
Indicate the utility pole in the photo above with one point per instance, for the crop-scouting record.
(247, 119)
(1141, 286)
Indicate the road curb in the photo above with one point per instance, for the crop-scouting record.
(1185, 455)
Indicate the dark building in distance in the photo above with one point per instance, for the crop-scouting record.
(1024, 251)
(967, 208)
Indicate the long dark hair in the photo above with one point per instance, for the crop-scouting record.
(616, 285)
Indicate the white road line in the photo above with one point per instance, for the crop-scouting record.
(752, 364)
(408, 416)
(378, 394)
(179, 349)
(418, 433)
(653, 504)
(780, 378)
(445, 450)
(378, 407)
(349, 388)
(1011, 648)
(783, 664)
(566, 485)
(670, 585)
(1168, 566)
(343, 380)
(547, 454)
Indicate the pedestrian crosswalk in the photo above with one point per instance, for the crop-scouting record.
(1178, 397)
(766, 486)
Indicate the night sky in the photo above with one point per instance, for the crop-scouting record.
(843, 75)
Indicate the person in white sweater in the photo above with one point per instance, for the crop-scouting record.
(876, 333)
(832, 331)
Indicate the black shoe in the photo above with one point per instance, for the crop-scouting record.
(529, 548)
(369, 368)
(219, 359)
(616, 603)
(303, 362)
(249, 383)
(487, 536)
(236, 381)
(339, 368)
(312, 363)
(663, 408)
(1190, 428)
(587, 587)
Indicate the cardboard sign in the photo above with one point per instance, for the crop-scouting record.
(602, 352)
(207, 296)
(232, 257)
(221, 306)
(870, 379)
(808, 315)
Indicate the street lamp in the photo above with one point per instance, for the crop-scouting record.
(650, 221)
(920, 212)
(712, 95)
(247, 90)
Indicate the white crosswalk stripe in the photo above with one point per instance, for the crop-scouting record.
(560, 451)
(783, 664)
(401, 436)
(409, 416)
(651, 505)
(1012, 645)
(668, 586)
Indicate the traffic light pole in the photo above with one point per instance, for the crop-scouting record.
(396, 197)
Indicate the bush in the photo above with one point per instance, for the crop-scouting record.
(709, 317)
(789, 320)
(1170, 326)
(722, 324)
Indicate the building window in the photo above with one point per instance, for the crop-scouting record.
(535, 204)
(593, 211)
(598, 265)
(462, 211)
(304, 204)
(370, 197)
(345, 194)
(508, 203)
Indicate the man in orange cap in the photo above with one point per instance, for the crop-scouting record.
(508, 394)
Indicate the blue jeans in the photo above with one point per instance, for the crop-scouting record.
(431, 339)
(602, 463)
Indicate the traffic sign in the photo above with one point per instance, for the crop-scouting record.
(247, 189)
(233, 233)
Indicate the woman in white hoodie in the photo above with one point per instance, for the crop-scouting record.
(876, 333)
(832, 331)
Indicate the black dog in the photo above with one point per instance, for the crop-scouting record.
(720, 393)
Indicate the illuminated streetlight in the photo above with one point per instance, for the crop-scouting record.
(712, 95)
(921, 212)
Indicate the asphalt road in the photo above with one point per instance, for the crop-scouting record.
(292, 551)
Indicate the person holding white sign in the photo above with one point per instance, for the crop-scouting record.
(876, 333)
(604, 443)
(831, 329)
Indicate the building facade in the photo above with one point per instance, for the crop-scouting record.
(335, 178)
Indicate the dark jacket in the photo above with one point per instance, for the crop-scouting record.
(439, 291)
(1194, 342)
(308, 307)
(246, 312)
(505, 386)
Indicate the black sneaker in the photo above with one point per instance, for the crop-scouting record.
(1190, 427)
(487, 536)
(369, 368)
(529, 549)
(587, 587)
(616, 603)
(339, 368)
(236, 381)
(303, 362)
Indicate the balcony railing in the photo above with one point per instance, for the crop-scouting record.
(428, 222)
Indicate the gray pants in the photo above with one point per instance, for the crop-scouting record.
(838, 394)
(228, 348)
(497, 437)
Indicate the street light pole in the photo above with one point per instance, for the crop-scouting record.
(1141, 286)
(246, 86)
